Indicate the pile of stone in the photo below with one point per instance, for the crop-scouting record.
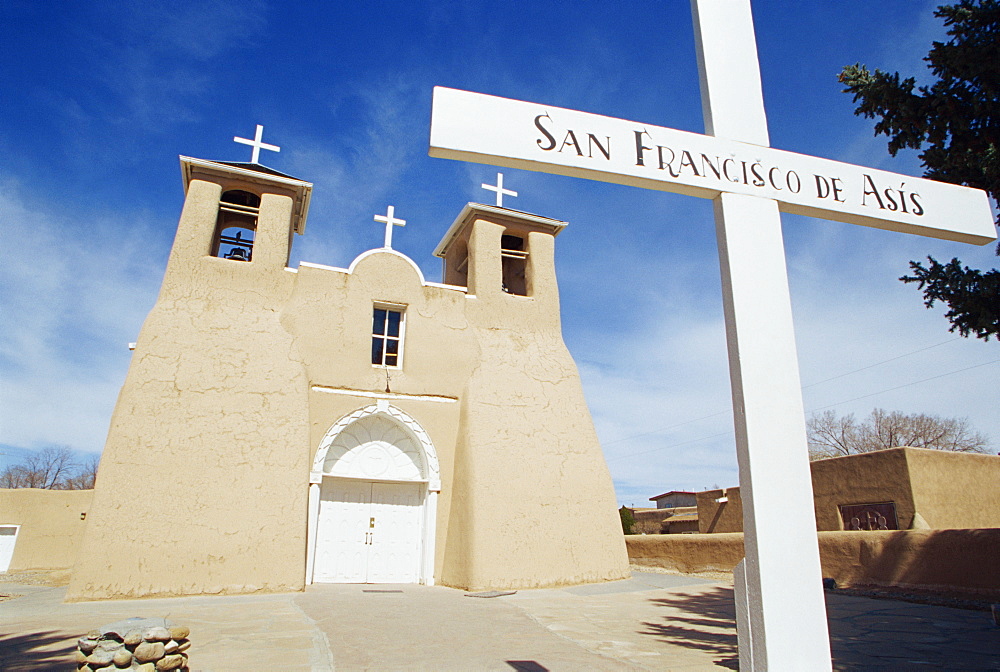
(148, 645)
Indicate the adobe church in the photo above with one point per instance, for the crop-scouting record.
(281, 426)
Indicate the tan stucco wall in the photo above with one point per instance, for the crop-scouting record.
(527, 459)
(201, 481)
(502, 360)
(323, 315)
(720, 517)
(948, 490)
(51, 523)
(676, 520)
(242, 368)
(867, 478)
(964, 561)
(648, 521)
(955, 490)
(686, 553)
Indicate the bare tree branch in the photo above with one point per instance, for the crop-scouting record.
(833, 436)
(51, 469)
(86, 475)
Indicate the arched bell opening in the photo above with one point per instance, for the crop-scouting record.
(514, 261)
(236, 225)
(373, 501)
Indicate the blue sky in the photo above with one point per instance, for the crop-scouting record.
(103, 97)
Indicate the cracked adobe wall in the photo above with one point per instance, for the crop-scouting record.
(528, 460)
(330, 315)
(200, 487)
(241, 369)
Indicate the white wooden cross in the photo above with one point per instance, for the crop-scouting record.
(780, 605)
(501, 192)
(257, 144)
(390, 221)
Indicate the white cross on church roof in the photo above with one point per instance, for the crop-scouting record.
(257, 144)
(500, 190)
(390, 221)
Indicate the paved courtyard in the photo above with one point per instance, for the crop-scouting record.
(649, 622)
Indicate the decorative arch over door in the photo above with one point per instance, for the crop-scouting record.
(373, 500)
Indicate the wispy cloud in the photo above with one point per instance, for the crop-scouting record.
(638, 270)
(73, 295)
(146, 63)
(361, 168)
(659, 390)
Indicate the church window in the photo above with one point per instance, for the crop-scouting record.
(514, 260)
(236, 225)
(387, 335)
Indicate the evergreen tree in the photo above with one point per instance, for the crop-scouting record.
(628, 520)
(956, 122)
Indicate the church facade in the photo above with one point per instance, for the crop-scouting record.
(279, 426)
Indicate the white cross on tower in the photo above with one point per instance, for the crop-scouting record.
(500, 190)
(390, 221)
(257, 144)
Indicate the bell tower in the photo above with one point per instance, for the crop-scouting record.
(496, 251)
(239, 212)
(522, 404)
(211, 426)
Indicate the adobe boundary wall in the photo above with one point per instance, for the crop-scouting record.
(52, 524)
(958, 561)
(677, 520)
(934, 489)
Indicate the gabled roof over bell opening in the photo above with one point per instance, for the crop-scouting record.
(473, 211)
(257, 174)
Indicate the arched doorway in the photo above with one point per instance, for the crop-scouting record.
(373, 500)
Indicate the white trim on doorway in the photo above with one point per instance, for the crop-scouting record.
(376, 444)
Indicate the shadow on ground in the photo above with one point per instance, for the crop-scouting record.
(42, 650)
(705, 621)
(527, 666)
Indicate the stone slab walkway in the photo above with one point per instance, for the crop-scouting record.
(649, 622)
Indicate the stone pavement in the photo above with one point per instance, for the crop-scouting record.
(649, 622)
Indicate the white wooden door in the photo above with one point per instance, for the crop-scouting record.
(396, 516)
(342, 542)
(8, 537)
(369, 532)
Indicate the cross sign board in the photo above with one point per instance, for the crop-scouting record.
(780, 606)
(515, 134)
